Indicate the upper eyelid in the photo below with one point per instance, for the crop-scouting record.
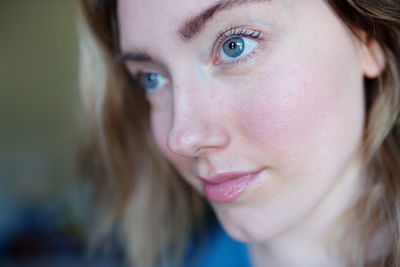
(150, 67)
(235, 31)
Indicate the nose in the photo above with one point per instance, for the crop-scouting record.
(198, 125)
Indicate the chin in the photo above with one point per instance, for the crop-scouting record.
(244, 227)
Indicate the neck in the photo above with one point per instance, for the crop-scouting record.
(310, 242)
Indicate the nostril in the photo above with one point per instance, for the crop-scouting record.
(183, 142)
(190, 140)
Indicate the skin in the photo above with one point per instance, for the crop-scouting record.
(293, 107)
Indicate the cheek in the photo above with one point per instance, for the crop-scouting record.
(306, 114)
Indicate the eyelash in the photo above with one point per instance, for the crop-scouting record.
(232, 32)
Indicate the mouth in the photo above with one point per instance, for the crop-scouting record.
(227, 187)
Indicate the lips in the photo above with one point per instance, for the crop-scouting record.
(227, 187)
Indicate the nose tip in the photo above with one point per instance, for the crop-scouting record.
(191, 140)
(196, 121)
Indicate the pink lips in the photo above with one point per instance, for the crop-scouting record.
(228, 186)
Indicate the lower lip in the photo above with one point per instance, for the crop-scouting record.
(230, 190)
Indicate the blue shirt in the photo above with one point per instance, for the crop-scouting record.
(216, 250)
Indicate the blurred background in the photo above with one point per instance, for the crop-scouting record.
(43, 202)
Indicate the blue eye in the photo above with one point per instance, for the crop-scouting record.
(151, 81)
(237, 47)
(234, 47)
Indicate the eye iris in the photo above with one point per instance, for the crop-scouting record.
(234, 47)
(151, 80)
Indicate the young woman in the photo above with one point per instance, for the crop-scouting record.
(282, 115)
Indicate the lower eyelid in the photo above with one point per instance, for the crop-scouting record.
(250, 56)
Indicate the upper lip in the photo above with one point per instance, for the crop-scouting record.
(226, 176)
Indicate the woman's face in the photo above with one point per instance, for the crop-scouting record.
(258, 104)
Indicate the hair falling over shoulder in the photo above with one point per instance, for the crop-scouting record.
(136, 187)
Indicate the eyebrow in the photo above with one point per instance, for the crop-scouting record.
(194, 25)
(190, 27)
(129, 56)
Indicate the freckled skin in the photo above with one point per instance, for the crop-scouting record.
(296, 108)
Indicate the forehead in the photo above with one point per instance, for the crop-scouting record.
(160, 8)
(147, 17)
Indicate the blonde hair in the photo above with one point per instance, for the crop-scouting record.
(137, 187)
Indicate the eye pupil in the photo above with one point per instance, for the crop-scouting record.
(234, 47)
(151, 80)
